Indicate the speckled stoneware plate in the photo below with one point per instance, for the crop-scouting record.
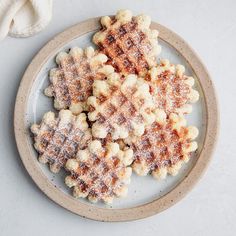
(146, 196)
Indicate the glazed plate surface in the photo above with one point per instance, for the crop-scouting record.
(146, 195)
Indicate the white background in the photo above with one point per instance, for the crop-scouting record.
(210, 209)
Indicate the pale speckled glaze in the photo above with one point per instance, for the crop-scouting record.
(92, 211)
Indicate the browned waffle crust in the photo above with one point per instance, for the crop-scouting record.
(59, 139)
(163, 147)
(100, 172)
(171, 88)
(120, 106)
(128, 42)
(71, 82)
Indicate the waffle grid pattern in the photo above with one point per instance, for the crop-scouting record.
(100, 172)
(128, 42)
(164, 147)
(58, 139)
(120, 106)
(171, 88)
(71, 81)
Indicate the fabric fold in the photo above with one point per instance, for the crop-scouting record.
(23, 18)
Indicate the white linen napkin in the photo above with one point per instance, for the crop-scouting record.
(23, 18)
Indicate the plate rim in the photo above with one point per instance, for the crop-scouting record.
(92, 211)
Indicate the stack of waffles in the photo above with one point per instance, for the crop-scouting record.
(120, 111)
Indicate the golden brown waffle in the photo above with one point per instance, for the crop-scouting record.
(120, 106)
(59, 139)
(71, 82)
(171, 88)
(129, 43)
(100, 172)
(163, 147)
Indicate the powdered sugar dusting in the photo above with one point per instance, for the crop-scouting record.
(161, 146)
(57, 141)
(99, 176)
(129, 44)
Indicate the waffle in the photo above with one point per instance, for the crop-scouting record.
(100, 172)
(164, 147)
(59, 139)
(129, 43)
(171, 88)
(120, 106)
(71, 81)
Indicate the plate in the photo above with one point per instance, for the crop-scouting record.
(146, 196)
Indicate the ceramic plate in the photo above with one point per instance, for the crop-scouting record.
(146, 196)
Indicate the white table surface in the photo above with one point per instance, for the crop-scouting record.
(210, 209)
